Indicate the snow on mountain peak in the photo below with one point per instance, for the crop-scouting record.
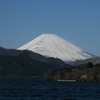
(50, 45)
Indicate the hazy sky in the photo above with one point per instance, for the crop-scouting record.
(75, 20)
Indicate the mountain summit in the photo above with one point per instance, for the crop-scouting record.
(51, 45)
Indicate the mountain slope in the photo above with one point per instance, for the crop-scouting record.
(51, 45)
(16, 63)
(95, 60)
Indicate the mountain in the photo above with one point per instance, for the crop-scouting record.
(35, 56)
(82, 63)
(51, 45)
(24, 63)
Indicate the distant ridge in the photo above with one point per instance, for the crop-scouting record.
(50, 45)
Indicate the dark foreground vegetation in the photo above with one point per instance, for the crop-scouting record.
(88, 73)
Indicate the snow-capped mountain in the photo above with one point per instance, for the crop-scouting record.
(51, 45)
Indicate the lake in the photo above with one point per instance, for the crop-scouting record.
(36, 89)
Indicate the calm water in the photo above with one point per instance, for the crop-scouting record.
(29, 89)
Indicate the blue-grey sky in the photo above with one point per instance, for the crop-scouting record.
(75, 20)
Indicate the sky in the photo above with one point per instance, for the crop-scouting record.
(77, 21)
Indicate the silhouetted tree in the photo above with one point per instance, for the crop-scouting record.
(89, 65)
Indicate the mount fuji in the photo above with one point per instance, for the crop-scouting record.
(50, 45)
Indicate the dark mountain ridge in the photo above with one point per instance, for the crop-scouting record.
(24, 63)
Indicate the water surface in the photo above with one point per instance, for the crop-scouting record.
(36, 89)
